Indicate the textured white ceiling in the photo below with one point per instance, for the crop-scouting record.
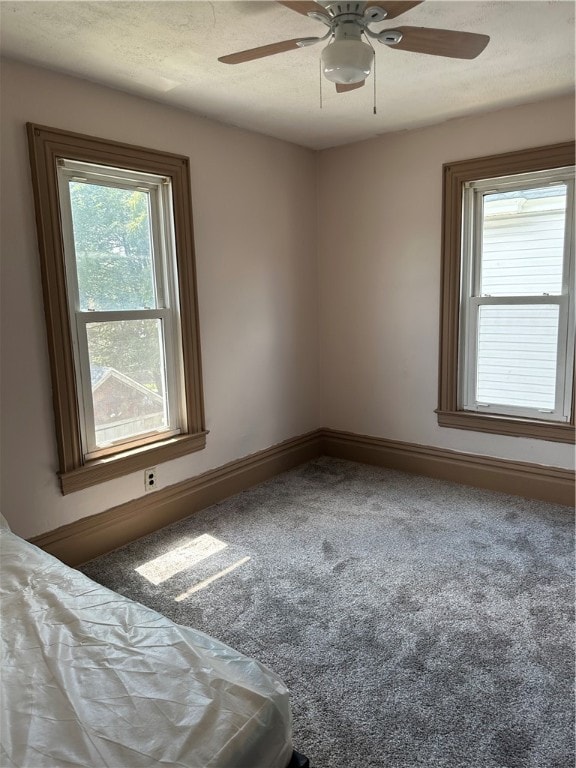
(168, 51)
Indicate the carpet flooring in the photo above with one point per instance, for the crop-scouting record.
(416, 622)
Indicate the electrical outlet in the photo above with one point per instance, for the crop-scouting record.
(150, 479)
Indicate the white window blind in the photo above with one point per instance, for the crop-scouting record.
(517, 318)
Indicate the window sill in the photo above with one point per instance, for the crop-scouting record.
(110, 467)
(540, 430)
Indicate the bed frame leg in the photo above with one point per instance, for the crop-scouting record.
(298, 761)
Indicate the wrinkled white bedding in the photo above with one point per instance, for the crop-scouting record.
(90, 678)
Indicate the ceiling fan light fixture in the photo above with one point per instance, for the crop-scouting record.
(347, 61)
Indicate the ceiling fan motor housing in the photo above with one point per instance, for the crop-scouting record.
(339, 7)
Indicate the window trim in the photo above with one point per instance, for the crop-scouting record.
(46, 147)
(455, 176)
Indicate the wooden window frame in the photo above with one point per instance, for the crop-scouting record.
(455, 176)
(46, 147)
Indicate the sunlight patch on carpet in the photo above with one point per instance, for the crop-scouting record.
(210, 579)
(180, 558)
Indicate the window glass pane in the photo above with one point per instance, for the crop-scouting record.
(113, 250)
(517, 355)
(523, 242)
(127, 376)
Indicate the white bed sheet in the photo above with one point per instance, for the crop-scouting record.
(90, 678)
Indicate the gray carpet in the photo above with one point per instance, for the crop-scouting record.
(416, 622)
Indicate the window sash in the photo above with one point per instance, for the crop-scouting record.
(166, 295)
(471, 301)
(88, 424)
(469, 369)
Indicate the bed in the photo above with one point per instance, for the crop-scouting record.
(91, 678)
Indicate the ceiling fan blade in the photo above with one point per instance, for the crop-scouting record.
(259, 53)
(394, 8)
(440, 42)
(343, 87)
(302, 6)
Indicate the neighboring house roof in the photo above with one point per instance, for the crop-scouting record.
(100, 373)
(97, 373)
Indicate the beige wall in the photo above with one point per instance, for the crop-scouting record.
(300, 328)
(379, 261)
(255, 231)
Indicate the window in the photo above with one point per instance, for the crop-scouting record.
(116, 246)
(507, 325)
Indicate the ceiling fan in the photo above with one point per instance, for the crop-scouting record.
(347, 60)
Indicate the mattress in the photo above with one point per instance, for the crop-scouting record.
(90, 678)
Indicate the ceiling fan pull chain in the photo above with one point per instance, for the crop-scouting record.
(374, 78)
(320, 80)
(373, 71)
